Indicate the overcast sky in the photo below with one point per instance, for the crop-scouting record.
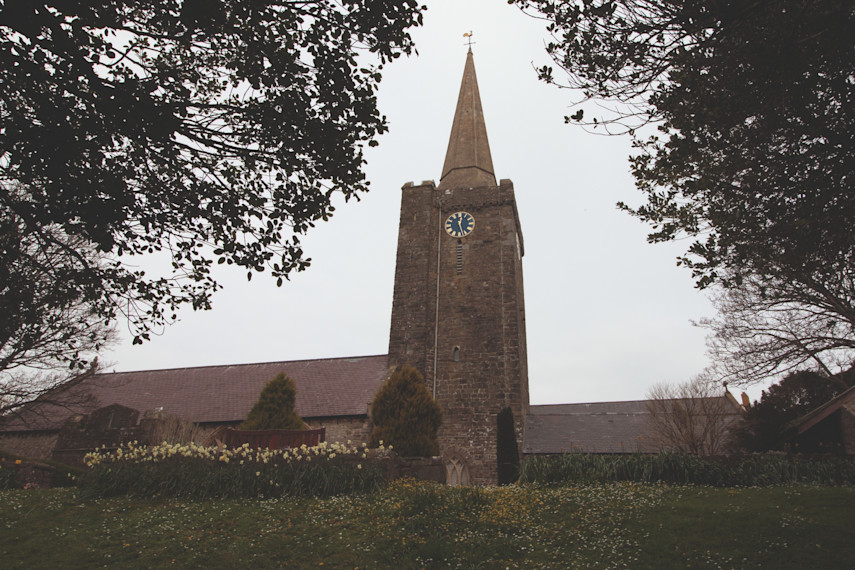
(608, 315)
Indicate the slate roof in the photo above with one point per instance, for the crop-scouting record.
(601, 427)
(327, 387)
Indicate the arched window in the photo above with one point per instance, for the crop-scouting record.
(456, 472)
(456, 354)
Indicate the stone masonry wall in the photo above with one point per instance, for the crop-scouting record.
(411, 332)
(37, 445)
(458, 315)
(355, 429)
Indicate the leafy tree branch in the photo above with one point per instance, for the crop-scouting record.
(189, 127)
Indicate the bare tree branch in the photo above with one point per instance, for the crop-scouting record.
(768, 327)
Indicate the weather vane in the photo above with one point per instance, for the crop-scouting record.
(468, 36)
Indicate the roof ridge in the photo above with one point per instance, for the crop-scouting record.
(243, 364)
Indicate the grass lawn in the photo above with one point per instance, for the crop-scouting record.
(418, 525)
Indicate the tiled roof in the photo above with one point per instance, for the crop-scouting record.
(602, 427)
(325, 388)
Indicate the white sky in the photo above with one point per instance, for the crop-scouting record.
(608, 315)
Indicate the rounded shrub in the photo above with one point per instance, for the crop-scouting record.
(405, 415)
(275, 407)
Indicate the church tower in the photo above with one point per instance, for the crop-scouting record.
(458, 314)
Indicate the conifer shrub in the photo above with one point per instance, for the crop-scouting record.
(275, 407)
(162, 427)
(405, 415)
(507, 450)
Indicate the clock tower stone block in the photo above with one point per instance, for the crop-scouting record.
(458, 313)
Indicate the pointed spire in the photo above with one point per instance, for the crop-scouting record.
(467, 161)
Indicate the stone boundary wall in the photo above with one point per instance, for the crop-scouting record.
(423, 468)
(36, 445)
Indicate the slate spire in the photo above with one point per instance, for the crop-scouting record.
(467, 161)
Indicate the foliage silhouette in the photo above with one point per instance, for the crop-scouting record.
(213, 131)
(752, 164)
(794, 396)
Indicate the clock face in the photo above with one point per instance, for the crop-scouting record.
(460, 224)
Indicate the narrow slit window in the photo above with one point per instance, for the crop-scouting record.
(459, 257)
(456, 354)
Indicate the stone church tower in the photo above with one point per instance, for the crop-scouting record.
(458, 314)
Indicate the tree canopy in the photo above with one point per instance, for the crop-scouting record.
(743, 123)
(794, 396)
(754, 104)
(214, 130)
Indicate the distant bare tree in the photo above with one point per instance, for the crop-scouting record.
(768, 329)
(50, 332)
(167, 428)
(693, 417)
(41, 392)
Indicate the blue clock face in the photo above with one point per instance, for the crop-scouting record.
(460, 224)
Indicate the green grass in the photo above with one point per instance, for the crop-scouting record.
(420, 525)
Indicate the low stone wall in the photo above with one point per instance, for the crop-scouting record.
(36, 445)
(423, 468)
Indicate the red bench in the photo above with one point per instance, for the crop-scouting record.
(274, 438)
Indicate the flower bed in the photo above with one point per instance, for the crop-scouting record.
(190, 470)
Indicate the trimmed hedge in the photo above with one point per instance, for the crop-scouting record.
(683, 469)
